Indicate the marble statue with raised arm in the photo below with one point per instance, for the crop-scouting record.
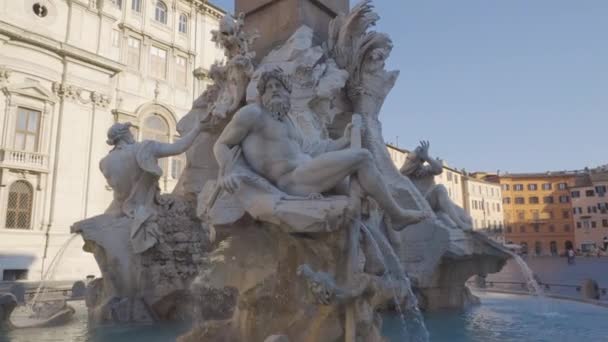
(132, 171)
(272, 147)
(422, 169)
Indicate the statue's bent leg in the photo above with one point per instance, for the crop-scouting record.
(439, 196)
(322, 173)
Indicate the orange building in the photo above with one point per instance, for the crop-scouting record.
(538, 211)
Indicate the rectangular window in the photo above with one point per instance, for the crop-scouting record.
(593, 224)
(519, 200)
(136, 6)
(158, 62)
(562, 186)
(115, 38)
(533, 200)
(576, 194)
(506, 187)
(590, 193)
(183, 23)
(518, 187)
(536, 228)
(535, 214)
(605, 223)
(181, 71)
(13, 275)
(547, 186)
(564, 199)
(506, 200)
(177, 166)
(566, 214)
(548, 199)
(134, 51)
(579, 225)
(601, 190)
(532, 187)
(449, 176)
(26, 130)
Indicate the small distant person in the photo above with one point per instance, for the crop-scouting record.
(570, 255)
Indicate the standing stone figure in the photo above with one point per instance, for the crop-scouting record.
(132, 171)
(422, 169)
(273, 148)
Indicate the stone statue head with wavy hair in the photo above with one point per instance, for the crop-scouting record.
(274, 89)
(120, 132)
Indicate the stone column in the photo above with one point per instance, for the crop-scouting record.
(277, 20)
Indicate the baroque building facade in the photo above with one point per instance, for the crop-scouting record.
(69, 69)
(590, 210)
(538, 211)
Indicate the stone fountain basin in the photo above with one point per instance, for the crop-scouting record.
(61, 317)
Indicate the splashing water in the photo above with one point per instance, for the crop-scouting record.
(420, 332)
(49, 274)
(531, 282)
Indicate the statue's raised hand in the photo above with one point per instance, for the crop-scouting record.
(423, 149)
(229, 183)
(347, 130)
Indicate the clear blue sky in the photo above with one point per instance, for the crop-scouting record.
(510, 85)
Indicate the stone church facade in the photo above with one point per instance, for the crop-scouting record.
(69, 69)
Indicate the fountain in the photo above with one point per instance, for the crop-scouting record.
(290, 221)
(42, 309)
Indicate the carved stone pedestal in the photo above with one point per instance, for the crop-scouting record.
(277, 20)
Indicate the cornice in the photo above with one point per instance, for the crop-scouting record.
(61, 49)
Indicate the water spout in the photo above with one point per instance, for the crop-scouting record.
(419, 331)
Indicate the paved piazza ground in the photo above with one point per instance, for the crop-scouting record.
(555, 270)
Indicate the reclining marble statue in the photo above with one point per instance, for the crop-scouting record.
(422, 169)
(271, 146)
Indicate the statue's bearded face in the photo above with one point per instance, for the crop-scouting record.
(276, 98)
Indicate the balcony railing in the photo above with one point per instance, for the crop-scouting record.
(24, 160)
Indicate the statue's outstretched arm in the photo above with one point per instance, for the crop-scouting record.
(178, 147)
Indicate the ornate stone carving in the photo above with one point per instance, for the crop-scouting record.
(5, 75)
(133, 227)
(422, 169)
(99, 100)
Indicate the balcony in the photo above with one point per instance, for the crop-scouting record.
(24, 160)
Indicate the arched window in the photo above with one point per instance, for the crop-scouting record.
(538, 248)
(160, 12)
(136, 5)
(19, 207)
(183, 23)
(155, 127)
(553, 247)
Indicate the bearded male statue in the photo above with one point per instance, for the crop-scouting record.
(422, 169)
(273, 148)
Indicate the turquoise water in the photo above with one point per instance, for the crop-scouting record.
(506, 318)
(501, 317)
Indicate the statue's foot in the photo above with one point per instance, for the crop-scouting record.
(407, 218)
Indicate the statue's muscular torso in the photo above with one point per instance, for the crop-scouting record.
(271, 147)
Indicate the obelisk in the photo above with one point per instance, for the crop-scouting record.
(277, 20)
